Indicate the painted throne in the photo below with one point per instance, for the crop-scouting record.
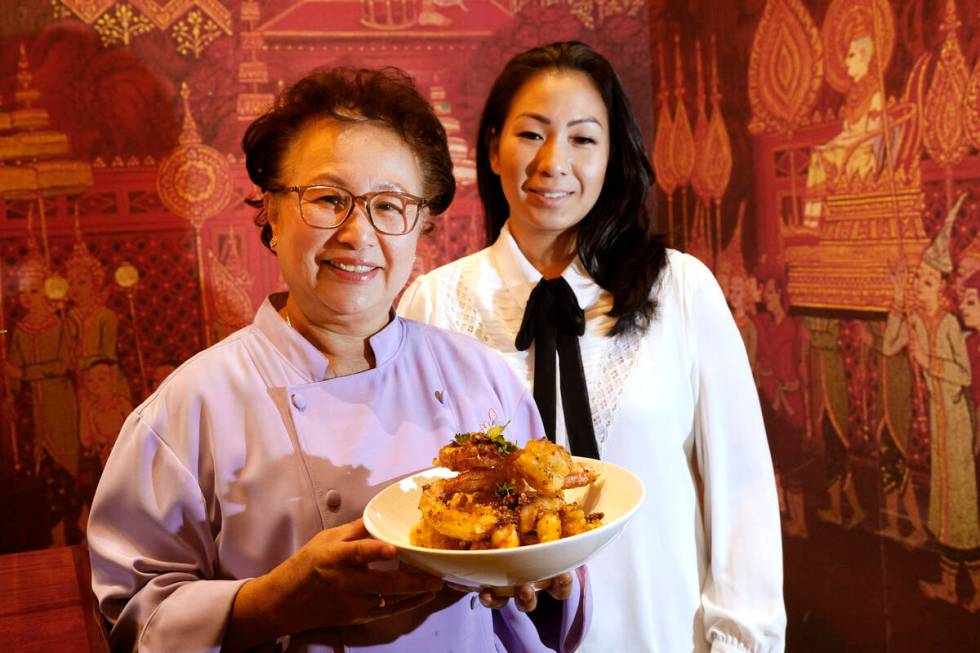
(869, 220)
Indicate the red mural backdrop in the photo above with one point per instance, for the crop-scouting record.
(821, 156)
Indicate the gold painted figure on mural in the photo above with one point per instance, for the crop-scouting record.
(40, 362)
(740, 298)
(970, 312)
(780, 379)
(893, 429)
(853, 152)
(97, 324)
(96, 329)
(104, 409)
(230, 285)
(829, 406)
(938, 346)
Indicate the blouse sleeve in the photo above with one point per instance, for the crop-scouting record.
(154, 558)
(742, 594)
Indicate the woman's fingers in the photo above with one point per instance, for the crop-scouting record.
(491, 600)
(561, 586)
(525, 597)
(348, 532)
(361, 552)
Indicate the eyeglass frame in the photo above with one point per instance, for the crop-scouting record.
(366, 198)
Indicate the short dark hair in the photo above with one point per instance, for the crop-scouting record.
(617, 240)
(387, 96)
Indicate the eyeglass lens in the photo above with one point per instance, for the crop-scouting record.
(327, 207)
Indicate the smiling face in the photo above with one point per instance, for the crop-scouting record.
(551, 154)
(348, 276)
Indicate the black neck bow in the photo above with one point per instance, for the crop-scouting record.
(553, 320)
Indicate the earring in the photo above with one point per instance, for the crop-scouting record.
(273, 242)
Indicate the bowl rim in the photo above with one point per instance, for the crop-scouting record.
(626, 516)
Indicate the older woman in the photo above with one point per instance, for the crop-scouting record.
(635, 357)
(227, 515)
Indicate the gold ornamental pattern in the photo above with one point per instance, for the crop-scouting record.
(162, 15)
(192, 24)
(232, 304)
(718, 146)
(195, 33)
(88, 10)
(662, 163)
(681, 138)
(195, 181)
(972, 106)
(699, 180)
(121, 26)
(591, 13)
(785, 67)
(194, 184)
(944, 135)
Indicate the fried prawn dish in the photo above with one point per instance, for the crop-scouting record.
(503, 496)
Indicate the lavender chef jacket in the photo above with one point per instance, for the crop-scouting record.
(246, 452)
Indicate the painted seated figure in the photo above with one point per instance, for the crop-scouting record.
(851, 152)
(857, 157)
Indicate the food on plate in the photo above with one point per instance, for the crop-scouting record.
(503, 496)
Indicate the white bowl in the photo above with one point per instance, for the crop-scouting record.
(392, 513)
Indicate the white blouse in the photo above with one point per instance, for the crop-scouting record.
(700, 567)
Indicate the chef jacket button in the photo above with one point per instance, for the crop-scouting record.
(299, 402)
(333, 500)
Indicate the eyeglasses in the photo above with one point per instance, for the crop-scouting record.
(327, 207)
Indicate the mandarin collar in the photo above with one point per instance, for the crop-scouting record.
(303, 354)
(520, 276)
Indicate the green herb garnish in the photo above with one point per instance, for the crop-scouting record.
(496, 435)
(505, 489)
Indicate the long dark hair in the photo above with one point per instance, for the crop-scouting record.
(387, 96)
(617, 239)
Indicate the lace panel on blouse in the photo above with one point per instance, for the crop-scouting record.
(608, 362)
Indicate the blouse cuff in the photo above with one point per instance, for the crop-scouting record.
(193, 618)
